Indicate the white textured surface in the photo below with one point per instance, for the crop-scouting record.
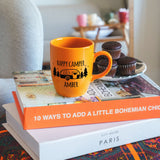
(21, 37)
(21, 42)
(6, 87)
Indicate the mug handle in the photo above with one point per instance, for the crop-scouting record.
(96, 76)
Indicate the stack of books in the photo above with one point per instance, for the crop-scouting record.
(110, 114)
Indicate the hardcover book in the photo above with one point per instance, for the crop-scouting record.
(39, 105)
(74, 141)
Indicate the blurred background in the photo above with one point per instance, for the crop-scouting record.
(59, 18)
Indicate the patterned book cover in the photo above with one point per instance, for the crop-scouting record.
(36, 89)
(105, 101)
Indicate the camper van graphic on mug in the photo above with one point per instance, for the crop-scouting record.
(71, 61)
(70, 73)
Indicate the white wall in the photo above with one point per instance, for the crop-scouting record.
(58, 2)
(147, 35)
(103, 5)
(108, 5)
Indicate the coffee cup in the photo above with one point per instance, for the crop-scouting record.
(71, 61)
(82, 20)
(123, 15)
(92, 19)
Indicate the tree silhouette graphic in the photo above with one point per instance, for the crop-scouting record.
(54, 71)
(57, 73)
(81, 74)
(85, 72)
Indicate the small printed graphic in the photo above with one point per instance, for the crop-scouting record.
(70, 73)
(32, 78)
(31, 95)
(123, 93)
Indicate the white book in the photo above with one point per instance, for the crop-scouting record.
(67, 142)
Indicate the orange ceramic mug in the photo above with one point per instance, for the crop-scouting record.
(71, 61)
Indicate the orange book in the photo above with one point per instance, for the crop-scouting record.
(89, 112)
(40, 107)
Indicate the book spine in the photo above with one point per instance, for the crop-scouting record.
(100, 140)
(90, 112)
